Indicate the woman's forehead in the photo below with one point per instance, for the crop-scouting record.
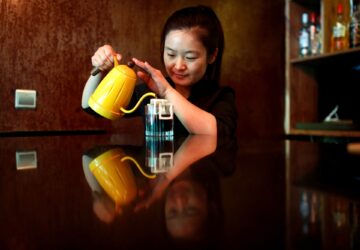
(182, 39)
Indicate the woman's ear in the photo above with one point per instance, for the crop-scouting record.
(213, 56)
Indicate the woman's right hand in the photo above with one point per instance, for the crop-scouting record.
(153, 77)
(104, 58)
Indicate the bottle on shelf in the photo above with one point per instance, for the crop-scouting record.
(304, 210)
(339, 31)
(315, 37)
(354, 26)
(304, 36)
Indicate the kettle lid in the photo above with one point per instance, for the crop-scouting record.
(124, 69)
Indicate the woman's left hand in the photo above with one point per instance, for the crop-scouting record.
(152, 77)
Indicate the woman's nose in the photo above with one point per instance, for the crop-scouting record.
(180, 64)
(181, 201)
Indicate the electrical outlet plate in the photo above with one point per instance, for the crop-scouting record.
(25, 98)
(26, 160)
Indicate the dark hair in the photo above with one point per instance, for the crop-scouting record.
(211, 34)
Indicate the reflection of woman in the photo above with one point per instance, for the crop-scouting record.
(191, 150)
(185, 208)
(190, 191)
(192, 203)
(192, 207)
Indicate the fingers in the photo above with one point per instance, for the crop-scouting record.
(101, 57)
(143, 76)
(152, 77)
(104, 57)
(145, 66)
(139, 63)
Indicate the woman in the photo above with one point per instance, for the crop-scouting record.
(192, 45)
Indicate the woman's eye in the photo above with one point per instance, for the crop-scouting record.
(170, 55)
(191, 58)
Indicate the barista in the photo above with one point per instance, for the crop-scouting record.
(192, 45)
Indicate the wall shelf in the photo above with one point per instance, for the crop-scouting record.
(316, 84)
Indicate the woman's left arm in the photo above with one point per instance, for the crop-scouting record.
(194, 119)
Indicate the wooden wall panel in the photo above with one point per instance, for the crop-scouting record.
(47, 45)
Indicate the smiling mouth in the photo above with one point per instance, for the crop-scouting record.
(179, 75)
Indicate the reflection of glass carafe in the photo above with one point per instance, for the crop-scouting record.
(115, 176)
(114, 92)
(159, 154)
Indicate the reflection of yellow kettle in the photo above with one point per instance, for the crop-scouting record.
(114, 92)
(115, 175)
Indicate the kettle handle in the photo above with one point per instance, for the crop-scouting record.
(96, 70)
(116, 63)
(138, 166)
(138, 103)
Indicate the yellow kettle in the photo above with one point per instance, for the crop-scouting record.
(115, 176)
(114, 92)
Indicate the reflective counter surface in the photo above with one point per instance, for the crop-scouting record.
(106, 191)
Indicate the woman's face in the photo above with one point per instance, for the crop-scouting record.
(185, 57)
(185, 209)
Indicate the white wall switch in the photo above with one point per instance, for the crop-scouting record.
(26, 160)
(25, 98)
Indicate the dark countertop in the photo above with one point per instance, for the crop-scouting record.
(263, 194)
